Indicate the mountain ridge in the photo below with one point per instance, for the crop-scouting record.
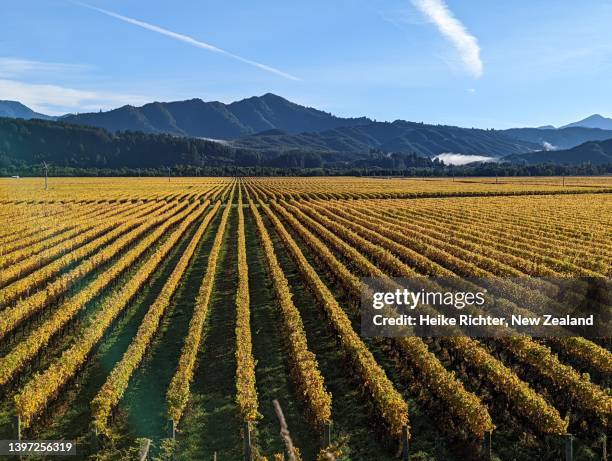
(15, 109)
(592, 121)
(214, 119)
(593, 152)
(398, 136)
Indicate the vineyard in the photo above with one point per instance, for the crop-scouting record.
(177, 309)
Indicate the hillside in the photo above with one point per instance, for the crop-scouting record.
(15, 109)
(29, 142)
(399, 136)
(562, 138)
(26, 142)
(197, 118)
(594, 152)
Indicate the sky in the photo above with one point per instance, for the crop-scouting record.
(476, 63)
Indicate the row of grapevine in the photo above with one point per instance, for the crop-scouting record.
(55, 289)
(44, 387)
(76, 247)
(246, 393)
(462, 405)
(32, 225)
(545, 417)
(388, 402)
(38, 338)
(595, 355)
(528, 256)
(26, 307)
(113, 388)
(303, 363)
(61, 228)
(519, 223)
(178, 390)
(488, 257)
(28, 284)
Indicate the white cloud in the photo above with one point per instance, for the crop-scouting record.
(460, 159)
(466, 44)
(11, 67)
(189, 40)
(548, 146)
(57, 100)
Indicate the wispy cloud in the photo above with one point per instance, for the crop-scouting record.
(12, 67)
(57, 100)
(466, 44)
(189, 40)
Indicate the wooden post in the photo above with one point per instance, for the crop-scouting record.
(327, 437)
(405, 444)
(215, 456)
(95, 441)
(172, 426)
(18, 427)
(46, 168)
(284, 430)
(569, 447)
(248, 456)
(144, 450)
(487, 446)
(604, 450)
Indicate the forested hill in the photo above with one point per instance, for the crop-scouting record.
(399, 136)
(197, 118)
(28, 142)
(592, 152)
(25, 142)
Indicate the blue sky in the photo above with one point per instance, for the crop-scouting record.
(490, 64)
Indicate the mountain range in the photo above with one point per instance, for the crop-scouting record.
(216, 120)
(559, 138)
(593, 152)
(273, 125)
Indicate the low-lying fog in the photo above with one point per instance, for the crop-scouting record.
(461, 159)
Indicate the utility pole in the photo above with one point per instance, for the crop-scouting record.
(45, 166)
(168, 168)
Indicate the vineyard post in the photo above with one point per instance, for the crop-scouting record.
(487, 446)
(604, 450)
(405, 444)
(46, 168)
(18, 427)
(569, 447)
(247, 442)
(172, 425)
(144, 449)
(95, 441)
(327, 434)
